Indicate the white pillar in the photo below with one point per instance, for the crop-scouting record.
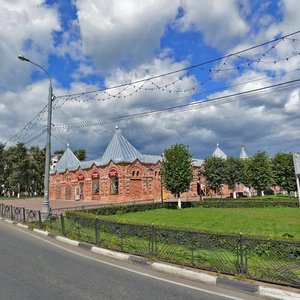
(179, 203)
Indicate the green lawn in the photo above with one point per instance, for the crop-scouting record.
(275, 223)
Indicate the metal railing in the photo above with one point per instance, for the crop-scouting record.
(20, 214)
(272, 261)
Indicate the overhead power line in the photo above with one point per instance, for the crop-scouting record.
(234, 62)
(193, 66)
(60, 100)
(194, 105)
(29, 126)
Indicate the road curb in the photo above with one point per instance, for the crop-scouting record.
(67, 241)
(110, 253)
(136, 260)
(9, 221)
(41, 232)
(240, 285)
(280, 294)
(221, 281)
(22, 225)
(185, 273)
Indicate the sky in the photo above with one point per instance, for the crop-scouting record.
(169, 71)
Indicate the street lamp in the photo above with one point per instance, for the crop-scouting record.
(45, 205)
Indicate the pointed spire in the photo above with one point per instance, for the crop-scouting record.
(219, 153)
(120, 149)
(243, 153)
(67, 161)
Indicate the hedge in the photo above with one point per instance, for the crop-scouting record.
(212, 203)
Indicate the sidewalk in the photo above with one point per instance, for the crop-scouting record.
(36, 203)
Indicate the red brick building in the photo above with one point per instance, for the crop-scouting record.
(122, 174)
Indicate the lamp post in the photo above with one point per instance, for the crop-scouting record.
(45, 205)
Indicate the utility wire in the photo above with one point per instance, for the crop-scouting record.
(196, 104)
(20, 135)
(190, 67)
(29, 125)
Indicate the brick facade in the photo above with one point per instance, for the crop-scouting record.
(122, 174)
(136, 182)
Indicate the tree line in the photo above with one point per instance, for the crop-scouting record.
(22, 169)
(259, 172)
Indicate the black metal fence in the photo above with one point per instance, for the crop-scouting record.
(20, 214)
(266, 260)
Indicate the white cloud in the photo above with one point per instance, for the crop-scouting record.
(123, 39)
(290, 21)
(220, 22)
(20, 107)
(122, 32)
(293, 102)
(26, 27)
(82, 71)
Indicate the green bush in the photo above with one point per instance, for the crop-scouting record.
(119, 209)
(211, 203)
(122, 209)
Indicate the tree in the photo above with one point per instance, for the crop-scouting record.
(80, 154)
(214, 172)
(59, 152)
(284, 172)
(177, 170)
(36, 170)
(246, 174)
(17, 168)
(233, 173)
(260, 169)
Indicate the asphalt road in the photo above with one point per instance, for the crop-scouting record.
(35, 267)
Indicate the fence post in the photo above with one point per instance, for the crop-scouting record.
(78, 229)
(152, 239)
(192, 248)
(97, 231)
(62, 221)
(121, 236)
(1, 210)
(241, 254)
(24, 215)
(11, 213)
(40, 219)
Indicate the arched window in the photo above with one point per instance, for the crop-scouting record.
(114, 181)
(95, 182)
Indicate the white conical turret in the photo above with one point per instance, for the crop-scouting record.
(67, 161)
(120, 149)
(219, 153)
(243, 154)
